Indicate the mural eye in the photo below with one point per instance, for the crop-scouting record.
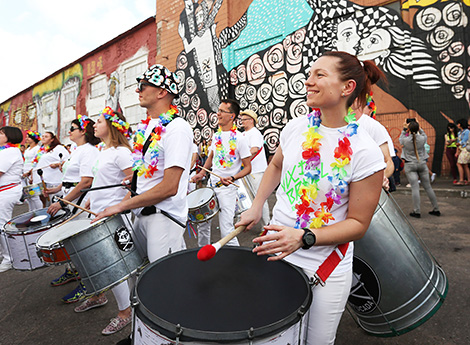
(374, 40)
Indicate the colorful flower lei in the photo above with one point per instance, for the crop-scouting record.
(139, 141)
(83, 120)
(42, 150)
(371, 105)
(122, 126)
(224, 160)
(306, 214)
(33, 134)
(8, 145)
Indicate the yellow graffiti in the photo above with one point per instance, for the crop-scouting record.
(5, 106)
(94, 66)
(424, 3)
(56, 82)
(75, 71)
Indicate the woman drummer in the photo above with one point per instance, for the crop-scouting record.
(331, 180)
(112, 166)
(29, 176)
(48, 161)
(77, 176)
(11, 169)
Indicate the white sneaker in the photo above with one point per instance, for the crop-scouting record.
(433, 177)
(5, 266)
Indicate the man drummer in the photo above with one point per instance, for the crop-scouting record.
(255, 141)
(228, 152)
(162, 157)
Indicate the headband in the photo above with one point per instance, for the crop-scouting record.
(111, 116)
(33, 134)
(83, 120)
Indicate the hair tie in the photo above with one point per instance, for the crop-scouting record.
(362, 63)
(122, 126)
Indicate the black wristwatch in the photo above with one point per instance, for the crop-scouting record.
(308, 239)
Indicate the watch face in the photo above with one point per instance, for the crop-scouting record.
(309, 239)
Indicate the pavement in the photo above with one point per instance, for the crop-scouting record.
(31, 311)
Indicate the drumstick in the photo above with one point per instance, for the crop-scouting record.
(210, 172)
(43, 184)
(74, 216)
(77, 206)
(208, 251)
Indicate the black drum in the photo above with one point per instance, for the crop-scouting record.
(236, 297)
(23, 231)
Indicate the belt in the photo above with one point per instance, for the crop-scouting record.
(147, 211)
(8, 186)
(69, 184)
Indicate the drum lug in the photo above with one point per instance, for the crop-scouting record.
(178, 333)
(316, 280)
(251, 335)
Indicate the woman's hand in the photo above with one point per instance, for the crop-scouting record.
(249, 218)
(285, 241)
(54, 208)
(55, 165)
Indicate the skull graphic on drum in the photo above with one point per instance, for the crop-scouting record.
(123, 239)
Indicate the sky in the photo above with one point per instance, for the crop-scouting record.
(37, 38)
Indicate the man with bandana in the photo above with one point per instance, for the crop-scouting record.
(162, 157)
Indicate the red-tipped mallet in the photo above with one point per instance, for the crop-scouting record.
(208, 251)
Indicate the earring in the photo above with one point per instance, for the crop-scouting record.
(342, 94)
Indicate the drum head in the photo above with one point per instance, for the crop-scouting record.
(199, 197)
(221, 299)
(65, 231)
(35, 221)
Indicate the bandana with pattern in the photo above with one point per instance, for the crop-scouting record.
(310, 213)
(222, 158)
(139, 141)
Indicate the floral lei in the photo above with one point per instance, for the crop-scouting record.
(42, 150)
(220, 153)
(33, 134)
(306, 214)
(122, 126)
(8, 145)
(139, 141)
(371, 105)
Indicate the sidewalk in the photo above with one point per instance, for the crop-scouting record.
(443, 187)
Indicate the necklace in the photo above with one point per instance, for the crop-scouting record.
(307, 215)
(224, 160)
(42, 150)
(8, 145)
(156, 135)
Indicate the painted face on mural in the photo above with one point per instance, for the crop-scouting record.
(101, 128)
(375, 45)
(347, 37)
(323, 84)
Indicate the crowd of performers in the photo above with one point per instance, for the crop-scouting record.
(323, 161)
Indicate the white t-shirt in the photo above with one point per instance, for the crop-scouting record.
(80, 163)
(11, 165)
(108, 170)
(53, 176)
(241, 151)
(29, 155)
(376, 131)
(365, 161)
(255, 139)
(174, 150)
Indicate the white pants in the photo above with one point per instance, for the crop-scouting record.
(327, 307)
(122, 295)
(227, 198)
(159, 235)
(9, 198)
(255, 180)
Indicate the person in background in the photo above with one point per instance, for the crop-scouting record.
(414, 154)
(11, 169)
(323, 162)
(463, 153)
(398, 167)
(29, 176)
(255, 141)
(451, 138)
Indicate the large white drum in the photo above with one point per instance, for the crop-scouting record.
(237, 298)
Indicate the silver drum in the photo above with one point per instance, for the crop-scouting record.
(397, 284)
(202, 205)
(104, 253)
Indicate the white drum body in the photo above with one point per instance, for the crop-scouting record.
(202, 205)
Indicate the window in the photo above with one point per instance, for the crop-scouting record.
(70, 97)
(134, 114)
(97, 87)
(17, 117)
(48, 107)
(133, 72)
(31, 112)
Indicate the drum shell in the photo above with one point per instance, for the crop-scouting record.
(396, 270)
(155, 328)
(32, 190)
(204, 211)
(52, 255)
(245, 196)
(99, 258)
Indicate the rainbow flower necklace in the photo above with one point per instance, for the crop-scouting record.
(42, 150)
(8, 145)
(156, 135)
(223, 159)
(307, 215)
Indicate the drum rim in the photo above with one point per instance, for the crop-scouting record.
(40, 229)
(231, 336)
(207, 202)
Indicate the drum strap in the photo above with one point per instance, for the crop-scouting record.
(257, 153)
(328, 266)
(8, 186)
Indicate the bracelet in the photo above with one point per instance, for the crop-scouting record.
(62, 204)
(233, 178)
